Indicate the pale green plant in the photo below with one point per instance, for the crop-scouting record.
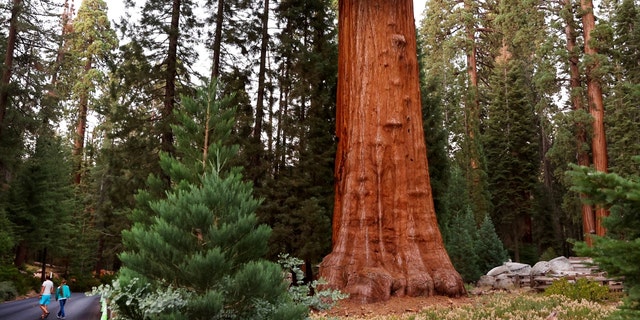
(321, 299)
(509, 307)
(137, 301)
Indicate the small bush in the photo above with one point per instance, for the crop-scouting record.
(581, 289)
(309, 294)
(7, 291)
(548, 254)
(108, 278)
(21, 282)
(83, 284)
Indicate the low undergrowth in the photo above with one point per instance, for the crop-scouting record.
(509, 306)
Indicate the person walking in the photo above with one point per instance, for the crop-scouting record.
(45, 296)
(62, 294)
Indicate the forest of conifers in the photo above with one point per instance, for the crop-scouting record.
(94, 113)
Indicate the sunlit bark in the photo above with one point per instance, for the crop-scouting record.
(386, 240)
(596, 105)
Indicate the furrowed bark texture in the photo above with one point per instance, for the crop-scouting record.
(386, 240)
(596, 106)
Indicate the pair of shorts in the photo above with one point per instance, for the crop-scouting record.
(45, 300)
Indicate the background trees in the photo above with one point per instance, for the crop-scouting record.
(504, 101)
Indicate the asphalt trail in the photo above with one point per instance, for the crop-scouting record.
(78, 307)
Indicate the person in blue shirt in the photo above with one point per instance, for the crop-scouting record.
(62, 294)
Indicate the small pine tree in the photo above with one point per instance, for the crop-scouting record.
(461, 245)
(618, 253)
(489, 248)
(204, 237)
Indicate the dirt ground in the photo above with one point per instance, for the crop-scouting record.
(394, 306)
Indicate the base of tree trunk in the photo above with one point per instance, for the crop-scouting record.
(374, 284)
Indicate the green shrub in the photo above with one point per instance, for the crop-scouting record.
(308, 294)
(108, 278)
(581, 289)
(7, 291)
(548, 254)
(22, 282)
(83, 283)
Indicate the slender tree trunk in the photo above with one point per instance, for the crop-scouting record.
(386, 240)
(81, 127)
(8, 60)
(257, 129)
(217, 40)
(67, 26)
(575, 85)
(170, 77)
(547, 174)
(43, 270)
(21, 254)
(99, 256)
(596, 105)
(472, 119)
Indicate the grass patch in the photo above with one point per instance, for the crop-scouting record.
(505, 306)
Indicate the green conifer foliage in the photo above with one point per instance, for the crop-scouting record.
(299, 193)
(618, 253)
(622, 106)
(461, 245)
(204, 236)
(491, 252)
(511, 142)
(42, 200)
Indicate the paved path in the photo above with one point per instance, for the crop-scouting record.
(78, 307)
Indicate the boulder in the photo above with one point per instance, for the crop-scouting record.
(503, 281)
(498, 270)
(521, 269)
(560, 265)
(486, 282)
(541, 268)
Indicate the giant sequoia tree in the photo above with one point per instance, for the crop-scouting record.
(386, 239)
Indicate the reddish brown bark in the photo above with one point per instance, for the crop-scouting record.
(596, 105)
(81, 127)
(473, 102)
(386, 240)
(8, 60)
(575, 85)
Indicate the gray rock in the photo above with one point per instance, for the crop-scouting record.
(504, 282)
(498, 270)
(486, 281)
(541, 268)
(519, 268)
(560, 265)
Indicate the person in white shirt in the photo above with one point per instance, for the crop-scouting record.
(45, 296)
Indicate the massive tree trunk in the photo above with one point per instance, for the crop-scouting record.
(386, 240)
(575, 84)
(596, 106)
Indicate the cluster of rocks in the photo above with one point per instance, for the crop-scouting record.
(511, 274)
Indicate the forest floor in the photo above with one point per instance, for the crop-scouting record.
(396, 306)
